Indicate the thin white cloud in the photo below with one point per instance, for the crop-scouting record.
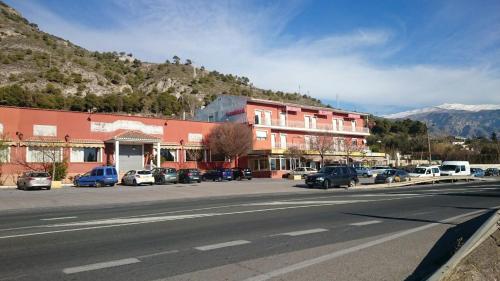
(238, 38)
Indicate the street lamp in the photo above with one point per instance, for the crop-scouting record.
(429, 141)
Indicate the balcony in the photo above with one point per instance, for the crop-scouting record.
(319, 128)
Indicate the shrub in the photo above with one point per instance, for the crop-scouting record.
(60, 171)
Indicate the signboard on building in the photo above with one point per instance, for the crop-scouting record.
(195, 137)
(104, 127)
(44, 130)
(324, 112)
(235, 112)
(353, 116)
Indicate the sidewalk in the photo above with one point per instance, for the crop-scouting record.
(13, 199)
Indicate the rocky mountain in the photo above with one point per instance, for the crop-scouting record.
(457, 119)
(42, 70)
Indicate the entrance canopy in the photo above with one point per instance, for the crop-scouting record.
(129, 150)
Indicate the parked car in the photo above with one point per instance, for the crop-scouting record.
(138, 177)
(189, 175)
(455, 168)
(218, 175)
(303, 171)
(34, 180)
(425, 172)
(242, 173)
(379, 169)
(392, 175)
(364, 171)
(165, 175)
(99, 176)
(477, 172)
(492, 172)
(333, 176)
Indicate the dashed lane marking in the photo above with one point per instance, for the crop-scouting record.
(101, 265)
(365, 223)
(222, 245)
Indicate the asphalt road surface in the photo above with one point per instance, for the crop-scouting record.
(400, 234)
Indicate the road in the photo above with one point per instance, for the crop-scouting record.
(336, 235)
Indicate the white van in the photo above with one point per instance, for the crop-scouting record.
(426, 172)
(455, 168)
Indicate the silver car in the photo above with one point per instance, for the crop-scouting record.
(34, 180)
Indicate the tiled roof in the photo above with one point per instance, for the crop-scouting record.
(135, 135)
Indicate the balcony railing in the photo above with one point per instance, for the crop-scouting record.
(304, 147)
(318, 127)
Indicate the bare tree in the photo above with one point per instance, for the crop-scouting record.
(231, 140)
(350, 147)
(4, 155)
(46, 156)
(322, 143)
(294, 152)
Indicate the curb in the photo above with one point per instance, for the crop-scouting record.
(490, 226)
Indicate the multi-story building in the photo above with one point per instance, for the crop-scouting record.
(30, 138)
(278, 126)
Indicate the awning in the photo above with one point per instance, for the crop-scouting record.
(44, 141)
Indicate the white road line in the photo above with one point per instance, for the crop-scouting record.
(303, 232)
(60, 218)
(365, 223)
(222, 245)
(158, 254)
(101, 265)
(333, 255)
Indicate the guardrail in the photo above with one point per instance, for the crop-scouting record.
(431, 180)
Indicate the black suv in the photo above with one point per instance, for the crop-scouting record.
(242, 173)
(189, 175)
(333, 176)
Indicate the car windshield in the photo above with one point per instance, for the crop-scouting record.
(144, 172)
(326, 170)
(448, 168)
(420, 170)
(40, 175)
(389, 172)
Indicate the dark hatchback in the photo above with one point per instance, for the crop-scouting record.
(242, 173)
(218, 175)
(492, 172)
(333, 176)
(189, 175)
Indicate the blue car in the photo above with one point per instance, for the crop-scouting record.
(98, 177)
(218, 175)
(477, 172)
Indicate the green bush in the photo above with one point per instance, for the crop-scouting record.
(61, 170)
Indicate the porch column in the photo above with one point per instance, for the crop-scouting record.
(117, 156)
(158, 155)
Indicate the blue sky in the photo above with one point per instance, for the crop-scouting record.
(377, 56)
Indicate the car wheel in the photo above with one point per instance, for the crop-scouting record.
(48, 187)
(310, 186)
(365, 175)
(135, 183)
(199, 181)
(112, 185)
(219, 179)
(98, 184)
(352, 183)
(326, 184)
(151, 183)
(175, 182)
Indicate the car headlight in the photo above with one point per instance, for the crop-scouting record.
(320, 179)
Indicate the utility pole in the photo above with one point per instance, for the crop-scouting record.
(429, 145)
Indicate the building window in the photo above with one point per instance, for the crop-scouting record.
(169, 155)
(354, 142)
(274, 164)
(85, 154)
(41, 154)
(194, 155)
(261, 135)
(4, 155)
(258, 117)
(353, 125)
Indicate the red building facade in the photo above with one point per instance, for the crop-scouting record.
(32, 137)
(279, 126)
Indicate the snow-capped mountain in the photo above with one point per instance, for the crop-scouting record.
(457, 119)
(444, 107)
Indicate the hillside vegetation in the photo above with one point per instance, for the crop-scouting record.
(42, 70)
